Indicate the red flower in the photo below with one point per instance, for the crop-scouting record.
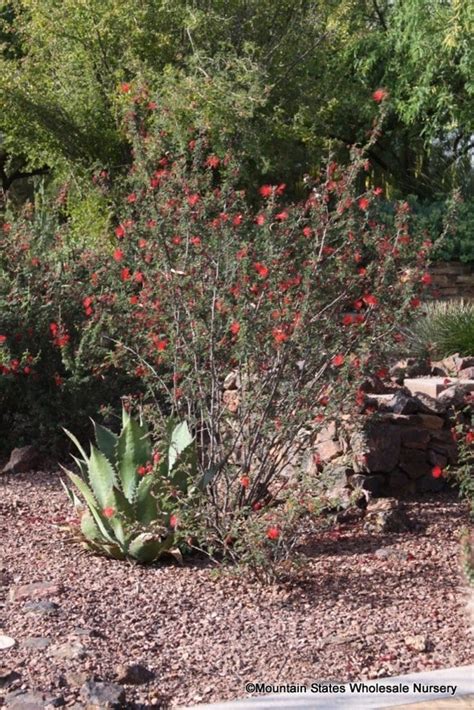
(118, 255)
(260, 220)
(470, 437)
(234, 328)
(125, 87)
(281, 189)
(58, 380)
(279, 335)
(338, 360)
(125, 274)
(139, 278)
(152, 105)
(131, 198)
(109, 512)
(307, 231)
(426, 279)
(377, 191)
(156, 457)
(53, 327)
(237, 220)
(261, 269)
(2, 339)
(196, 241)
(120, 231)
(244, 481)
(379, 95)
(437, 472)
(266, 190)
(173, 521)
(347, 320)
(212, 161)
(87, 301)
(363, 203)
(193, 200)
(282, 216)
(273, 533)
(370, 300)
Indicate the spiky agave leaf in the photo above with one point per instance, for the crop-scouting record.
(91, 502)
(148, 547)
(133, 450)
(107, 442)
(102, 478)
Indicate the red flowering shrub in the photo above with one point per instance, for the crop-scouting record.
(253, 324)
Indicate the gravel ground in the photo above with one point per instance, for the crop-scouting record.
(362, 606)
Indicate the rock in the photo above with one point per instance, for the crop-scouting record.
(411, 367)
(102, 695)
(463, 363)
(429, 421)
(76, 678)
(437, 459)
(8, 676)
(467, 373)
(22, 700)
(385, 516)
(375, 484)
(415, 438)
(134, 674)
(455, 396)
(375, 449)
(68, 651)
(429, 404)
(388, 553)
(35, 590)
(6, 642)
(414, 463)
(403, 403)
(38, 643)
(328, 450)
(399, 483)
(417, 643)
(22, 460)
(429, 484)
(42, 607)
(374, 385)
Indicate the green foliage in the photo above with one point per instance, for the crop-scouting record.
(129, 492)
(285, 83)
(444, 328)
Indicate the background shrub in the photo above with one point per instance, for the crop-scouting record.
(443, 328)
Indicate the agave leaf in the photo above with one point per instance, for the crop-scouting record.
(146, 507)
(102, 478)
(125, 417)
(92, 505)
(82, 465)
(75, 440)
(123, 506)
(148, 547)
(133, 450)
(71, 494)
(89, 528)
(106, 441)
(181, 438)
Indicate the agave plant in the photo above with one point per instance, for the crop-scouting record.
(126, 499)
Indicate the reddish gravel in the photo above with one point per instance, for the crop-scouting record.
(347, 615)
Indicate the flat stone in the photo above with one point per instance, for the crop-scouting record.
(376, 449)
(68, 651)
(22, 460)
(434, 386)
(38, 643)
(414, 463)
(467, 373)
(8, 676)
(21, 700)
(455, 396)
(417, 643)
(35, 590)
(103, 695)
(133, 674)
(6, 642)
(415, 438)
(43, 607)
(430, 421)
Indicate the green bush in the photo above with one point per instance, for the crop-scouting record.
(442, 329)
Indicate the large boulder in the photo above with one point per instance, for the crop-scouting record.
(376, 448)
(22, 460)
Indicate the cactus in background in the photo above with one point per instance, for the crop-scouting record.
(129, 493)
